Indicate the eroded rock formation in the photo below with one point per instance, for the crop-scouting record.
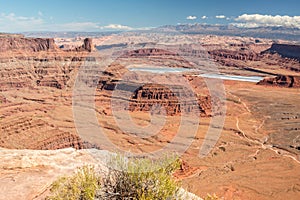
(19, 43)
(36, 78)
(87, 45)
(285, 50)
(26, 44)
(282, 81)
(236, 55)
(149, 52)
(175, 100)
(283, 56)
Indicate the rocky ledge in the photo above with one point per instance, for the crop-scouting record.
(18, 43)
(31, 172)
(26, 44)
(175, 100)
(282, 81)
(286, 50)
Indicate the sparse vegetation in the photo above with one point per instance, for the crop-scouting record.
(137, 179)
(141, 179)
(83, 185)
(212, 197)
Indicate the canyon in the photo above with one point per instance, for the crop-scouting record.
(259, 142)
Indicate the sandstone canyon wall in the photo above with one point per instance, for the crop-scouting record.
(36, 90)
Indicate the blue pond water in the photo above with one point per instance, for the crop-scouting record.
(161, 70)
(253, 79)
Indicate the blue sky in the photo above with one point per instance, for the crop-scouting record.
(100, 15)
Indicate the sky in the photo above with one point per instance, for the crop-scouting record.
(107, 15)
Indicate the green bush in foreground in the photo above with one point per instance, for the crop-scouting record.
(135, 179)
(83, 185)
(141, 179)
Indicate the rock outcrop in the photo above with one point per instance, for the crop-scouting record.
(175, 99)
(282, 81)
(236, 55)
(27, 174)
(18, 43)
(36, 78)
(283, 56)
(26, 44)
(87, 45)
(285, 50)
(29, 62)
(149, 52)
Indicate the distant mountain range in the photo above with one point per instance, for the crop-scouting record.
(229, 30)
(226, 30)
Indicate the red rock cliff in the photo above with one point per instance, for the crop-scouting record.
(26, 44)
(282, 81)
(286, 50)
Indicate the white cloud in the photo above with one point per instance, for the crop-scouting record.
(204, 17)
(14, 23)
(77, 26)
(257, 20)
(11, 17)
(191, 17)
(117, 27)
(220, 16)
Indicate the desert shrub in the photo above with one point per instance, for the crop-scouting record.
(83, 185)
(211, 197)
(141, 179)
(134, 179)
